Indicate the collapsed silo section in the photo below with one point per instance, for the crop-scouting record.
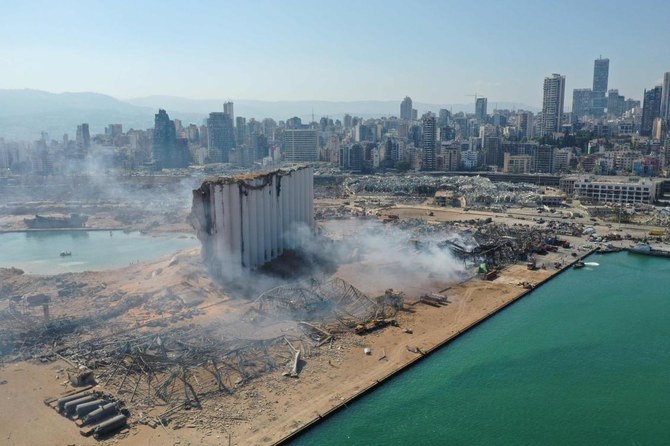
(247, 220)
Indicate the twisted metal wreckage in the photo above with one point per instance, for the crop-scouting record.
(167, 370)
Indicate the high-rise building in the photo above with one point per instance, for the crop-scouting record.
(444, 117)
(480, 109)
(228, 109)
(601, 68)
(177, 126)
(300, 145)
(651, 109)
(347, 121)
(582, 100)
(392, 150)
(552, 104)
(114, 130)
(544, 159)
(294, 123)
(562, 160)
(240, 130)
(665, 97)
(414, 135)
(630, 104)
(363, 132)
(353, 158)
(220, 137)
(452, 157)
(491, 150)
(657, 129)
(406, 109)
(165, 136)
(517, 163)
(168, 151)
(615, 103)
(165, 141)
(446, 133)
(525, 124)
(269, 129)
(83, 137)
(429, 133)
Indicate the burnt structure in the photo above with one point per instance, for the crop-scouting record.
(56, 222)
(244, 221)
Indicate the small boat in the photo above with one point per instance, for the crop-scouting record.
(65, 253)
(579, 264)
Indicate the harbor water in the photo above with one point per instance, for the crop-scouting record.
(39, 252)
(583, 360)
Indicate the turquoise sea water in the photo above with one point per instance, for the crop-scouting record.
(584, 360)
(38, 252)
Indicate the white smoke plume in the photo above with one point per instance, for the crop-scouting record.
(374, 256)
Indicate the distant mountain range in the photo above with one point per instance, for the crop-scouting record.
(304, 109)
(26, 113)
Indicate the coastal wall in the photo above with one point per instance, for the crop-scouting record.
(425, 352)
(243, 221)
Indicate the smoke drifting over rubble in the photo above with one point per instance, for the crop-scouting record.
(246, 221)
(381, 256)
(138, 201)
(371, 255)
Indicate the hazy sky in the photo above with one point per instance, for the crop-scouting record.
(433, 51)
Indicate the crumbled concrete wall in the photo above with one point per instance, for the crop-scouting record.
(243, 221)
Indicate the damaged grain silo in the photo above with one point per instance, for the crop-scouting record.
(243, 221)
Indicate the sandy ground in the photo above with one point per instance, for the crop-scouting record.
(24, 418)
(266, 409)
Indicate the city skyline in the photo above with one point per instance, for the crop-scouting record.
(292, 51)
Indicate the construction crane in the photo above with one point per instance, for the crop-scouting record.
(471, 95)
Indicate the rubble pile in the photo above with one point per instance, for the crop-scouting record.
(335, 303)
(650, 215)
(502, 244)
(142, 349)
(484, 240)
(477, 191)
(334, 212)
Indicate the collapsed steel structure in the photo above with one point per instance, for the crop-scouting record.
(326, 302)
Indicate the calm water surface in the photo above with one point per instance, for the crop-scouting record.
(584, 360)
(38, 252)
